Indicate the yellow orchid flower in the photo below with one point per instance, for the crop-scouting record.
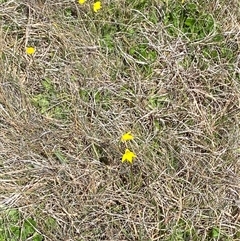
(128, 156)
(127, 136)
(81, 1)
(96, 6)
(30, 50)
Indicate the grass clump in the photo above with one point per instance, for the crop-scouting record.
(51, 102)
(119, 120)
(14, 227)
(189, 19)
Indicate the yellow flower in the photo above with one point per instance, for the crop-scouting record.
(30, 50)
(127, 136)
(81, 1)
(128, 156)
(96, 6)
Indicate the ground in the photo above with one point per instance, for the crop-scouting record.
(166, 71)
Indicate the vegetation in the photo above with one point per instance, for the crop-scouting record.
(119, 120)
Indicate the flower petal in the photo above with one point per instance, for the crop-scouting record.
(81, 1)
(128, 156)
(96, 6)
(30, 50)
(127, 136)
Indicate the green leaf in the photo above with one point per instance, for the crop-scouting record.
(14, 215)
(29, 226)
(37, 237)
(189, 22)
(47, 85)
(62, 159)
(215, 232)
(43, 102)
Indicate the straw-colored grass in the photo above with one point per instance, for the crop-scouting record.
(96, 76)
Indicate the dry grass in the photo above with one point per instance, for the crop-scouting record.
(183, 109)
